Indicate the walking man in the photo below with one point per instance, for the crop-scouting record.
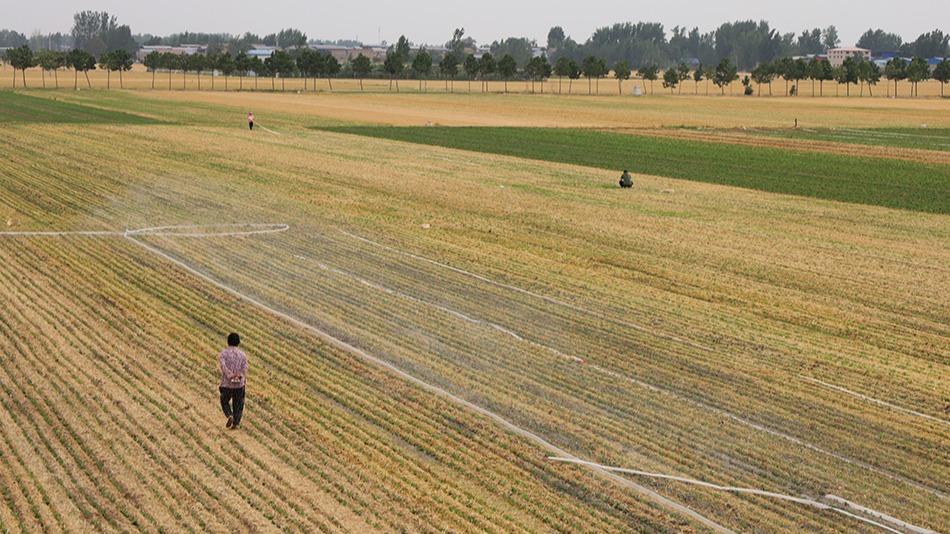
(233, 364)
(250, 120)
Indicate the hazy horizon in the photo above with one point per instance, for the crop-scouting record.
(427, 21)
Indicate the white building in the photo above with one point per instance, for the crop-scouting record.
(836, 56)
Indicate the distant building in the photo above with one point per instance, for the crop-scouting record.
(836, 56)
(181, 50)
(260, 51)
(341, 53)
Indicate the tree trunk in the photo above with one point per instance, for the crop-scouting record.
(821, 87)
(153, 79)
(56, 77)
(197, 75)
(121, 83)
(361, 85)
(23, 72)
(330, 83)
(225, 82)
(390, 84)
(786, 87)
(273, 83)
(14, 78)
(108, 79)
(847, 88)
(88, 83)
(770, 88)
(283, 83)
(506, 86)
(590, 86)
(570, 85)
(240, 81)
(184, 76)
(255, 81)
(870, 91)
(75, 80)
(43, 76)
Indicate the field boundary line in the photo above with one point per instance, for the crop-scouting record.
(552, 300)
(641, 383)
(764, 493)
(873, 400)
(656, 497)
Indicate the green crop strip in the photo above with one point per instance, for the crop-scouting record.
(19, 108)
(872, 181)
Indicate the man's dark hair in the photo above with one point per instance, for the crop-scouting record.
(234, 340)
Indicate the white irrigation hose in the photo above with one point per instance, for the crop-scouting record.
(546, 298)
(81, 233)
(166, 231)
(753, 491)
(666, 502)
(266, 129)
(873, 400)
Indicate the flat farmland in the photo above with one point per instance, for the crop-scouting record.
(436, 320)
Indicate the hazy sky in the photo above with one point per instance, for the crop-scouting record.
(432, 21)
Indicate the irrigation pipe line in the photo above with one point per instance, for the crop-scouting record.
(266, 129)
(552, 300)
(656, 497)
(165, 231)
(646, 385)
(873, 400)
(780, 496)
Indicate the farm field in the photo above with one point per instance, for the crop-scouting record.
(429, 320)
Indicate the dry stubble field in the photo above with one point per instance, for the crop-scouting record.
(737, 337)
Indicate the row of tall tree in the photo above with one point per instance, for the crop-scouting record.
(313, 65)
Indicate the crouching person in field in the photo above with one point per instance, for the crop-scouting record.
(233, 365)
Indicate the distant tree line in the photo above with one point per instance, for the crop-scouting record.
(745, 43)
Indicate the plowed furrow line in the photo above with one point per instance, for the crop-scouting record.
(75, 413)
(141, 393)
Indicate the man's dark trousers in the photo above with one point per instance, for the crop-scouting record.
(232, 402)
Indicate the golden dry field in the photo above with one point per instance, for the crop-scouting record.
(428, 326)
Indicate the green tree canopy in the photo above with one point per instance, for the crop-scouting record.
(880, 41)
(20, 58)
(725, 74)
(942, 74)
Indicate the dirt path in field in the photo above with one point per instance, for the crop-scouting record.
(738, 137)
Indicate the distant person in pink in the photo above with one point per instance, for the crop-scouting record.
(250, 121)
(233, 365)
